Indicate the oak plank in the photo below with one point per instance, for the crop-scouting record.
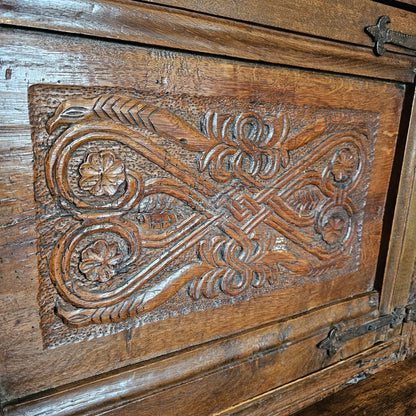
(399, 282)
(45, 58)
(173, 28)
(389, 392)
(313, 18)
(269, 356)
(286, 400)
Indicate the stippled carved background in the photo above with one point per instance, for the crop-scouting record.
(153, 205)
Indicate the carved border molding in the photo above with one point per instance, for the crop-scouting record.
(145, 208)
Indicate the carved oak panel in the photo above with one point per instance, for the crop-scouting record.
(151, 206)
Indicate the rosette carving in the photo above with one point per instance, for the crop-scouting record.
(334, 229)
(343, 165)
(99, 260)
(102, 173)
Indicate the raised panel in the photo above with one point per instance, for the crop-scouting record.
(157, 176)
(157, 206)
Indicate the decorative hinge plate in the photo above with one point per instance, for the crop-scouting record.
(382, 35)
(337, 337)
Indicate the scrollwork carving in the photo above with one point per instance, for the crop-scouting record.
(161, 207)
(233, 263)
(243, 147)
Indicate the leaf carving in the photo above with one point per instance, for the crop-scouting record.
(132, 112)
(156, 212)
(305, 200)
(233, 264)
(332, 123)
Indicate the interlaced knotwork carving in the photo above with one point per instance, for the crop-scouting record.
(244, 147)
(160, 205)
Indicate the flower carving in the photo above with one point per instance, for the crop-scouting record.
(98, 260)
(343, 165)
(334, 230)
(102, 173)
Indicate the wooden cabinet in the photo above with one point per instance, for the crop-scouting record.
(198, 205)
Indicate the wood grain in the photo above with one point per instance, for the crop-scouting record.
(313, 18)
(398, 289)
(389, 392)
(122, 120)
(286, 400)
(409, 329)
(31, 58)
(178, 29)
(267, 356)
(240, 206)
(289, 397)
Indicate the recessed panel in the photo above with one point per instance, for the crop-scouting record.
(155, 205)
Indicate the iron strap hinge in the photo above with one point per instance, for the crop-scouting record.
(382, 35)
(337, 337)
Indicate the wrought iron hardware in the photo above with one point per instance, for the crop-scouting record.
(382, 35)
(338, 337)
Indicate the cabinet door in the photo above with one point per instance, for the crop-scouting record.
(202, 220)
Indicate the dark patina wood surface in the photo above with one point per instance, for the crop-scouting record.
(389, 392)
(190, 199)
